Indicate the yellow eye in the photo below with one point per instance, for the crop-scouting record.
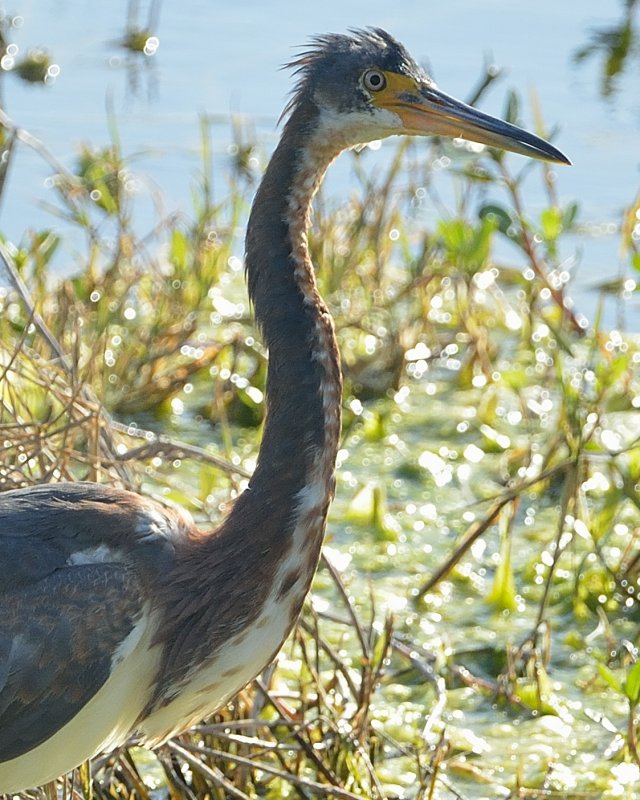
(374, 80)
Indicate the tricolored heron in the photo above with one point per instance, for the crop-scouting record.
(119, 616)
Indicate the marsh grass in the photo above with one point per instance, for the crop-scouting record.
(542, 415)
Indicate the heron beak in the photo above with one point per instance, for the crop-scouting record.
(425, 110)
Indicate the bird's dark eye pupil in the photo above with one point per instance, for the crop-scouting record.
(374, 80)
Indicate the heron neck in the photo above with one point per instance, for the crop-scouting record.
(270, 541)
(302, 427)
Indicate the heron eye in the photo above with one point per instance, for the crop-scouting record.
(374, 80)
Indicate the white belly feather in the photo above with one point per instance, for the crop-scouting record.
(210, 686)
(109, 717)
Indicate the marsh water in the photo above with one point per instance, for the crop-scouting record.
(222, 60)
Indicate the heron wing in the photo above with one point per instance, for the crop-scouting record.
(43, 528)
(76, 564)
(58, 640)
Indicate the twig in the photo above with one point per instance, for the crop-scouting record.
(528, 245)
(473, 532)
(154, 444)
(34, 143)
(35, 317)
(162, 445)
(305, 783)
(568, 500)
(366, 649)
(476, 529)
(209, 772)
(7, 159)
(304, 744)
(330, 652)
(431, 675)
(85, 391)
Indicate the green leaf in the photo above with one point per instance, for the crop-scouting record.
(85, 779)
(632, 684)
(369, 508)
(467, 246)
(609, 678)
(179, 249)
(551, 223)
(570, 214)
(499, 216)
(503, 591)
(602, 521)
(540, 696)
(512, 108)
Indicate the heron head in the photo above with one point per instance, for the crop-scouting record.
(367, 86)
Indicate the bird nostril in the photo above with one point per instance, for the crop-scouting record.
(432, 97)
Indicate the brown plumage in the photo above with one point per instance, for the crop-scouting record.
(120, 618)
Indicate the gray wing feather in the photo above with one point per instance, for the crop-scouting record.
(62, 621)
(55, 656)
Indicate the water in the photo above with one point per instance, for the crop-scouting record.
(228, 61)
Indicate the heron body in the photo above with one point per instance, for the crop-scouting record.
(120, 617)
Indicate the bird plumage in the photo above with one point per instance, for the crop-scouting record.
(330, 68)
(83, 559)
(121, 617)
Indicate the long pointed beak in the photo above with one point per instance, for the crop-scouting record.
(431, 111)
